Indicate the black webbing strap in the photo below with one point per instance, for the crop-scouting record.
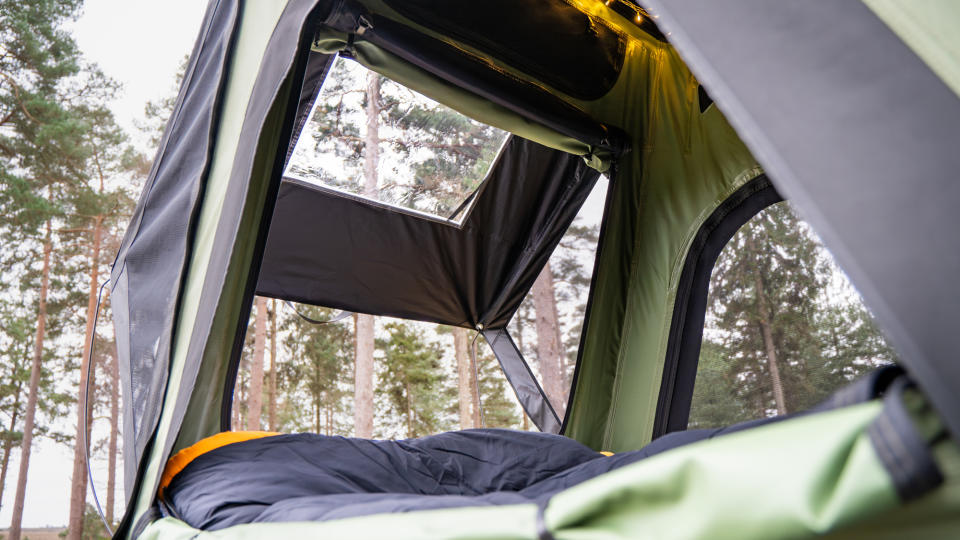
(904, 452)
(901, 448)
(869, 387)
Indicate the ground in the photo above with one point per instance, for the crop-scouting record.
(46, 533)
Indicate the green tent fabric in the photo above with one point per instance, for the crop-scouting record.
(179, 344)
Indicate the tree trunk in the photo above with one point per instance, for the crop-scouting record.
(371, 143)
(78, 489)
(272, 404)
(255, 394)
(363, 353)
(114, 435)
(466, 381)
(235, 408)
(363, 379)
(410, 434)
(30, 412)
(548, 343)
(766, 324)
(8, 443)
(523, 412)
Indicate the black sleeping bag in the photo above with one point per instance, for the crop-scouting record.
(308, 477)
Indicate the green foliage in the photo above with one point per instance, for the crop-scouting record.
(93, 528)
(317, 373)
(775, 272)
(157, 113)
(500, 407)
(412, 381)
(39, 134)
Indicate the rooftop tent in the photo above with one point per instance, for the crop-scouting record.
(851, 109)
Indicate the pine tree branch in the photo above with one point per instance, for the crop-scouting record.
(16, 95)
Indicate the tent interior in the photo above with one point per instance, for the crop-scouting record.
(562, 114)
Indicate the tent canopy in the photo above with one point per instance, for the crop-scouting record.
(851, 109)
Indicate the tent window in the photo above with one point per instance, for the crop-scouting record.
(547, 326)
(784, 328)
(295, 376)
(430, 158)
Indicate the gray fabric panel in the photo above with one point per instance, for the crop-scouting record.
(529, 393)
(335, 250)
(147, 274)
(863, 138)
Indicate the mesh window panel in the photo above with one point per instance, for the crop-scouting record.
(784, 327)
(299, 376)
(430, 160)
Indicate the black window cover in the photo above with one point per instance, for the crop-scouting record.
(331, 249)
(584, 63)
(476, 75)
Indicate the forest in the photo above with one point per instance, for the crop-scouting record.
(783, 330)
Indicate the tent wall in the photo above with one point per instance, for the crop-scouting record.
(683, 164)
(153, 255)
(211, 297)
(873, 164)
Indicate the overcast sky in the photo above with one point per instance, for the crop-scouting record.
(140, 44)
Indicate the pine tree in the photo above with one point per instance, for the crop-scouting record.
(782, 331)
(316, 374)
(255, 397)
(548, 338)
(500, 408)
(468, 401)
(414, 383)
(40, 154)
(96, 208)
(272, 381)
(366, 324)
